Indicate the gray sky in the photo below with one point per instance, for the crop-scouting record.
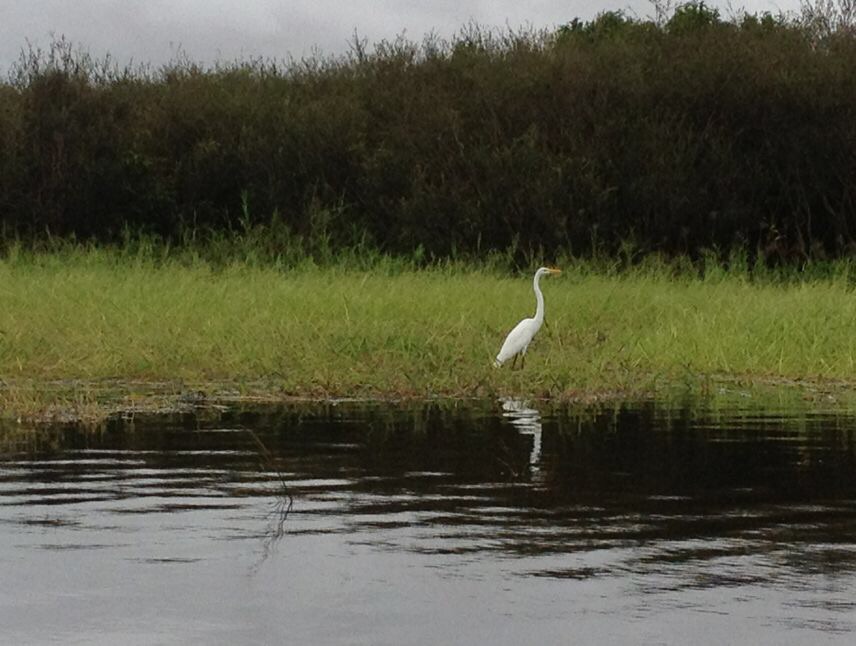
(154, 30)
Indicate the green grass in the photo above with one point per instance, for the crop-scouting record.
(75, 323)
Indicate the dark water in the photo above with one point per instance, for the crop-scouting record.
(361, 524)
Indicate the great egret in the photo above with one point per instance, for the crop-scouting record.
(521, 336)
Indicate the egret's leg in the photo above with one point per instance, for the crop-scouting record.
(522, 360)
(514, 363)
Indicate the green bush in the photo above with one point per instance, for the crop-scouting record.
(682, 135)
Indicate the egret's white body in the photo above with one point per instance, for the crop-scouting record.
(521, 336)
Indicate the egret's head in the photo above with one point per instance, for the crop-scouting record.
(548, 270)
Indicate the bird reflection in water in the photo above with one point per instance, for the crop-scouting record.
(527, 421)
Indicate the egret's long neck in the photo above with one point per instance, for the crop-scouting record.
(539, 299)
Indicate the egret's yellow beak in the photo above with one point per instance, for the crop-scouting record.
(553, 270)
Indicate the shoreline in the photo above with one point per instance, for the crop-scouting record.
(50, 403)
(92, 334)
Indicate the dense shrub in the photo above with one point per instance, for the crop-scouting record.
(682, 134)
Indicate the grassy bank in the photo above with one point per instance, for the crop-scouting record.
(93, 330)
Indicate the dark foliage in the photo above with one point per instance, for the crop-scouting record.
(684, 134)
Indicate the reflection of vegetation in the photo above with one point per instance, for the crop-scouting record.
(16, 439)
(659, 486)
(284, 499)
(692, 485)
(662, 447)
(760, 409)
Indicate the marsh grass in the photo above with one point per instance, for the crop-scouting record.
(87, 319)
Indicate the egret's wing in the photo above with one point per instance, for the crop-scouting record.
(517, 339)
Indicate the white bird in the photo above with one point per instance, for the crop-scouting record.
(521, 336)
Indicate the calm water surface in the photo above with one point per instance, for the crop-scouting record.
(476, 524)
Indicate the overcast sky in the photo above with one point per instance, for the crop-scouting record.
(205, 30)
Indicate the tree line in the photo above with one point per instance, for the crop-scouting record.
(681, 133)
